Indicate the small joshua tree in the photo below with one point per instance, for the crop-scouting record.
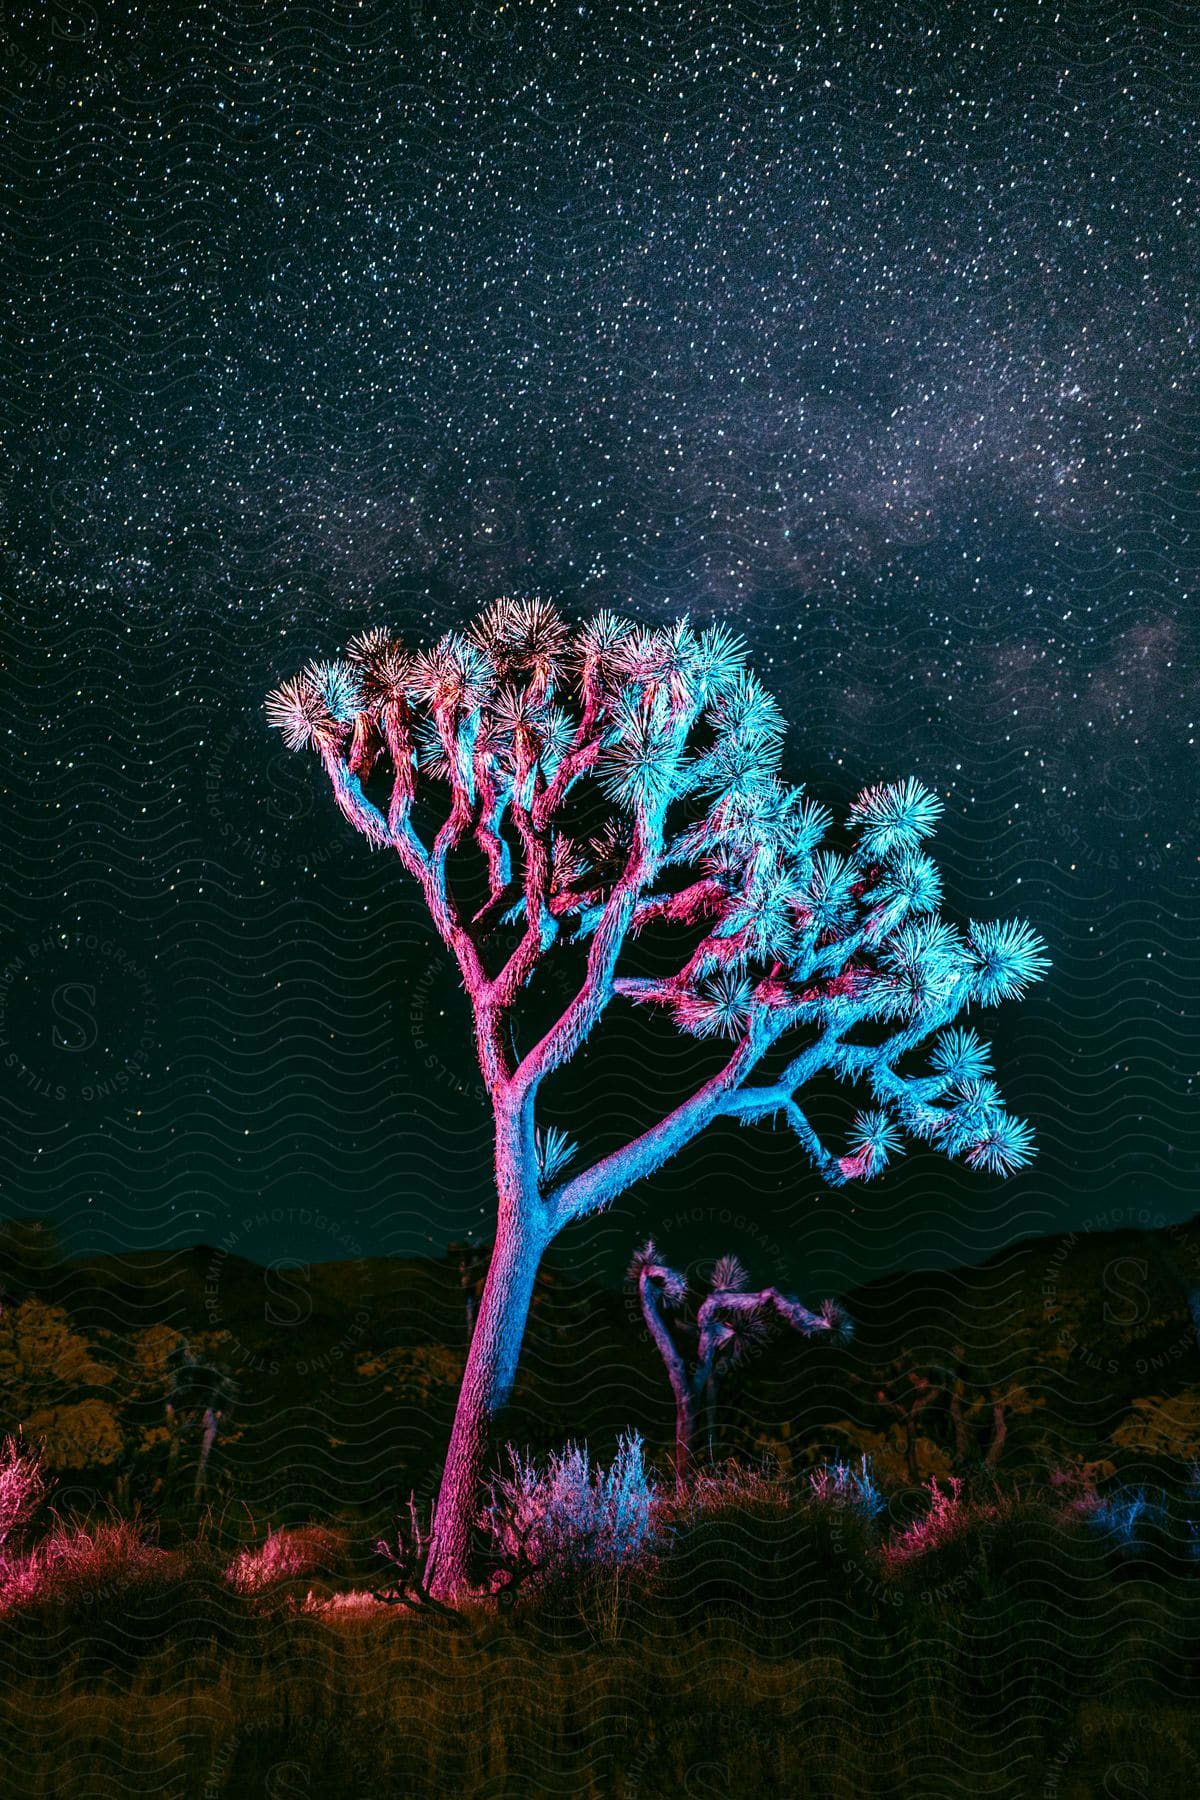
(196, 1391)
(730, 1320)
(903, 1391)
(979, 1414)
(500, 740)
(943, 1401)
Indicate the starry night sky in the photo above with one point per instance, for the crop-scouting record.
(873, 330)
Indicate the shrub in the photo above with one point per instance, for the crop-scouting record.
(761, 1490)
(950, 1519)
(287, 1556)
(569, 1515)
(1126, 1515)
(21, 1486)
(90, 1565)
(839, 1486)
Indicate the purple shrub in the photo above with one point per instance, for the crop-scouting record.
(569, 1515)
(1075, 1485)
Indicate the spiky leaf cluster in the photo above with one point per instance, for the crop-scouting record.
(729, 1275)
(668, 1283)
(554, 1150)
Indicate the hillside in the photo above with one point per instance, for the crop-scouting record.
(344, 1374)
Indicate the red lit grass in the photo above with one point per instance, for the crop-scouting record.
(779, 1638)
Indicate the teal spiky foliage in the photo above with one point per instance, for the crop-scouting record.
(1007, 957)
(337, 685)
(1001, 1145)
(911, 884)
(640, 766)
(554, 1150)
(877, 1138)
(961, 1056)
(829, 895)
(895, 818)
(925, 960)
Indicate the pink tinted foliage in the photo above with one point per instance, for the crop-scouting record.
(83, 1564)
(21, 1485)
(733, 1484)
(1076, 1487)
(284, 1556)
(342, 1605)
(948, 1517)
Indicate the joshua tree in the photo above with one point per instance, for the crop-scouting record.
(471, 1262)
(963, 1410)
(973, 1408)
(730, 1320)
(903, 1391)
(196, 1391)
(506, 740)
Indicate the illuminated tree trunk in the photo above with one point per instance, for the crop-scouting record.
(522, 1234)
(685, 1431)
(681, 1387)
(211, 1422)
(710, 1409)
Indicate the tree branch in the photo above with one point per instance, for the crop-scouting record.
(396, 733)
(651, 1298)
(541, 928)
(564, 1038)
(429, 870)
(613, 1174)
(578, 759)
(685, 907)
(491, 841)
(352, 802)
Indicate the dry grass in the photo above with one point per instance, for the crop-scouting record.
(770, 1651)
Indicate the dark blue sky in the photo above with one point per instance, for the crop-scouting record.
(875, 333)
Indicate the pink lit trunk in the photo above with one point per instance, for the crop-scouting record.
(487, 1384)
(681, 1387)
(685, 1431)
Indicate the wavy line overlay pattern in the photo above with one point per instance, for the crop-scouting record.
(872, 331)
